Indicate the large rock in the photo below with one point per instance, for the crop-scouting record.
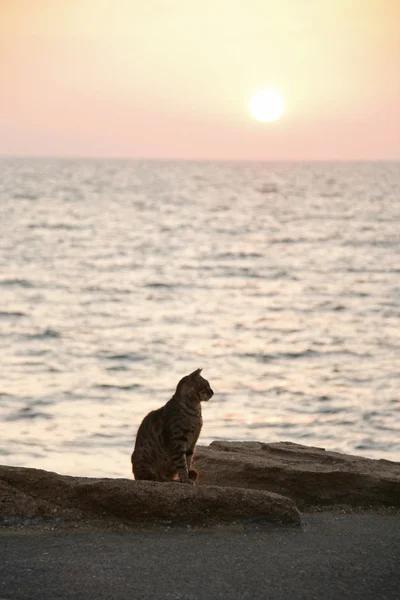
(310, 476)
(34, 493)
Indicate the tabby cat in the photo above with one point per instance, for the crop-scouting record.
(167, 436)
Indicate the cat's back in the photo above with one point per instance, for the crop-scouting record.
(152, 425)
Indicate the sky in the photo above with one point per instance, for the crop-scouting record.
(173, 78)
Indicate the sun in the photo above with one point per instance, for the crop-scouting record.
(266, 106)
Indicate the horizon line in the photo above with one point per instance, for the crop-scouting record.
(186, 159)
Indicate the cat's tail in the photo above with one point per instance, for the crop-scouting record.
(193, 474)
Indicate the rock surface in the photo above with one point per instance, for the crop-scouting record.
(238, 480)
(312, 477)
(31, 493)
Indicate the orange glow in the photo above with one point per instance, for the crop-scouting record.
(127, 78)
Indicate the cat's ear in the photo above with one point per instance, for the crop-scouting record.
(195, 373)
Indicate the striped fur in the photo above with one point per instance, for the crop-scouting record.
(167, 437)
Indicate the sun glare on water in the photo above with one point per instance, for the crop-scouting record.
(266, 106)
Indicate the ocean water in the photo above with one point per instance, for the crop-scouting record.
(282, 281)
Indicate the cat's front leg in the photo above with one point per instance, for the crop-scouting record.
(189, 458)
(180, 462)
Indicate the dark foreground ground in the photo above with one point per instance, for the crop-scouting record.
(333, 557)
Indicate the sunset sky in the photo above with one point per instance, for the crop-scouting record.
(173, 78)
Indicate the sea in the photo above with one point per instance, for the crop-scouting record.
(118, 277)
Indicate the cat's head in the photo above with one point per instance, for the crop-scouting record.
(195, 387)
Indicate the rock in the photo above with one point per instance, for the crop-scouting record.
(312, 477)
(238, 480)
(32, 493)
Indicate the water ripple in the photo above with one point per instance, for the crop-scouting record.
(118, 278)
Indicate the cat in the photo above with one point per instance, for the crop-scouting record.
(167, 437)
